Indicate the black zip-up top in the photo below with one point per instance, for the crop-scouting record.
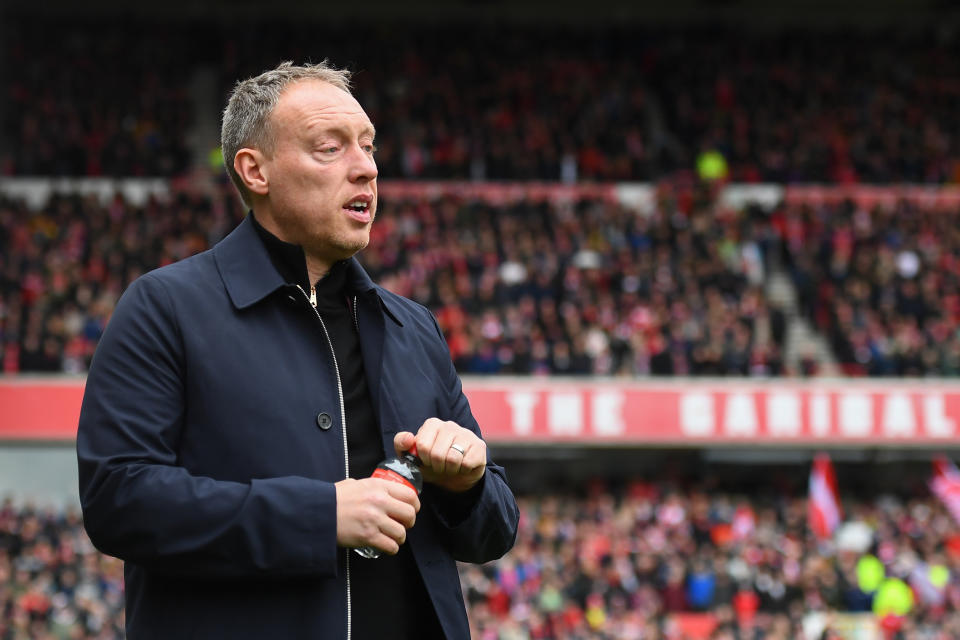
(389, 599)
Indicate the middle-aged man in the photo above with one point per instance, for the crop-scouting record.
(240, 399)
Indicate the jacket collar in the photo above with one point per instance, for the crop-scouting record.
(289, 259)
(359, 281)
(249, 274)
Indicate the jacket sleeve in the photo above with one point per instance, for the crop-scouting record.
(478, 525)
(141, 506)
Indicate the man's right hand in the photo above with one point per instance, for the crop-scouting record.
(374, 513)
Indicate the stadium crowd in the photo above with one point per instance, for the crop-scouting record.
(618, 103)
(609, 564)
(540, 286)
(53, 584)
(883, 284)
(617, 565)
(535, 287)
(63, 268)
(121, 107)
(585, 287)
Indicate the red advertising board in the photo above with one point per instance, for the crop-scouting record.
(680, 412)
(695, 413)
(34, 408)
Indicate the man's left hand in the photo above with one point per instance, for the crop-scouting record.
(453, 457)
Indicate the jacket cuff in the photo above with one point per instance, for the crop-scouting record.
(302, 516)
(453, 508)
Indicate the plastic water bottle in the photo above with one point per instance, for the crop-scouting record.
(406, 471)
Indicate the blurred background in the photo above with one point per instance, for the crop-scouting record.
(697, 262)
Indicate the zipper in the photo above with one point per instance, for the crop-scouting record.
(312, 299)
(356, 323)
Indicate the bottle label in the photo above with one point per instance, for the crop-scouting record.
(392, 476)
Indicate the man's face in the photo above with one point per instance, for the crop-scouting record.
(322, 179)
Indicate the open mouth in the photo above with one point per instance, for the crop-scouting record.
(358, 206)
(359, 209)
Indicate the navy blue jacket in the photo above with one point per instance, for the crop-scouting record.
(212, 432)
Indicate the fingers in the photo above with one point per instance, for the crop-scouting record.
(403, 441)
(474, 458)
(443, 458)
(374, 512)
(389, 537)
(453, 457)
(405, 504)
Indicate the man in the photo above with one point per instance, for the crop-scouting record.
(239, 400)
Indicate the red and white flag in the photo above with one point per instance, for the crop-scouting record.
(945, 484)
(823, 506)
(743, 522)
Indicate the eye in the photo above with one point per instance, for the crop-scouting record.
(329, 150)
(370, 148)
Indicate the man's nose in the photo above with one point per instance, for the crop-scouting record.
(362, 164)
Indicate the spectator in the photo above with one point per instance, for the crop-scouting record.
(521, 289)
(888, 299)
(609, 565)
(558, 104)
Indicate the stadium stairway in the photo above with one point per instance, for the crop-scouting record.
(801, 341)
(205, 97)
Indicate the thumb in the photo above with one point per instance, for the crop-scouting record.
(403, 441)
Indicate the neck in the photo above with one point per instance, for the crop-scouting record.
(316, 269)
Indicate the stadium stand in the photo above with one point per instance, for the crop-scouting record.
(581, 287)
(586, 286)
(882, 283)
(53, 583)
(78, 119)
(575, 286)
(652, 560)
(65, 267)
(620, 103)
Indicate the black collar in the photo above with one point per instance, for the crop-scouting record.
(291, 262)
(249, 274)
(288, 259)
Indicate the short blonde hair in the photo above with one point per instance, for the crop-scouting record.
(246, 118)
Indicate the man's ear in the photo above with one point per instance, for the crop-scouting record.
(249, 165)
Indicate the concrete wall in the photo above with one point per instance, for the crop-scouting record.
(44, 474)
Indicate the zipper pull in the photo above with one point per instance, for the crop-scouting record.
(313, 297)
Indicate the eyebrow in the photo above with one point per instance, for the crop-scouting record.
(344, 131)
